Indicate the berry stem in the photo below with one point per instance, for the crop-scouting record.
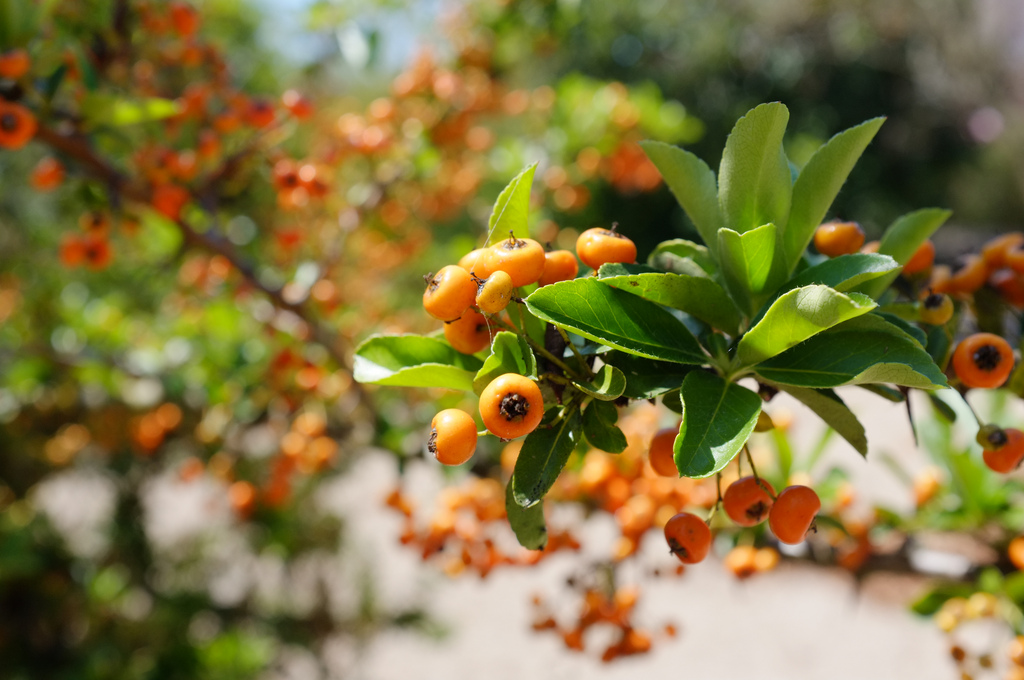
(536, 347)
(575, 351)
(753, 471)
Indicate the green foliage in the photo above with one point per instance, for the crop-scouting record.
(511, 208)
(510, 353)
(414, 361)
(544, 454)
(718, 417)
(527, 522)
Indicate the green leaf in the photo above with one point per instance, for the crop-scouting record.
(796, 316)
(844, 272)
(512, 208)
(932, 601)
(942, 408)
(693, 184)
(940, 346)
(902, 239)
(593, 310)
(646, 378)
(510, 353)
(851, 357)
(718, 417)
(667, 254)
(413, 361)
(527, 523)
(697, 296)
(836, 414)
(607, 385)
(754, 182)
(884, 323)
(544, 454)
(599, 427)
(909, 329)
(747, 263)
(108, 110)
(818, 185)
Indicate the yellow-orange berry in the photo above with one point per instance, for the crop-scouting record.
(511, 406)
(452, 436)
(495, 292)
(470, 333)
(688, 537)
(598, 246)
(521, 258)
(662, 454)
(838, 238)
(449, 293)
(559, 265)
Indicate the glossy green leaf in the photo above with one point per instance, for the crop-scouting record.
(108, 110)
(902, 239)
(697, 296)
(754, 182)
(911, 330)
(667, 254)
(747, 263)
(796, 316)
(850, 357)
(845, 272)
(819, 183)
(599, 312)
(510, 353)
(413, 361)
(527, 523)
(827, 405)
(512, 208)
(647, 378)
(694, 186)
(608, 384)
(600, 429)
(544, 454)
(718, 417)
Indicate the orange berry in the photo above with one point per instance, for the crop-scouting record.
(520, 258)
(983, 360)
(1009, 285)
(511, 406)
(97, 252)
(969, 277)
(17, 125)
(559, 265)
(1015, 551)
(741, 561)
(838, 238)
(1007, 457)
(470, 333)
(793, 512)
(871, 247)
(476, 262)
(936, 309)
(184, 18)
(748, 500)
(242, 496)
(169, 199)
(452, 436)
(14, 63)
(449, 293)
(688, 537)
(662, 455)
(494, 293)
(47, 175)
(260, 113)
(598, 246)
(922, 259)
(994, 251)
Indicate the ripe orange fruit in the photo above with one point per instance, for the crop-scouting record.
(452, 436)
(838, 238)
(169, 199)
(17, 125)
(559, 265)
(495, 292)
(14, 63)
(1009, 285)
(476, 262)
(511, 406)
(983, 360)
(922, 259)
(1007, 457)
(520, 258)
(47, 175)
(449, 293)
(793, 512)
(994, 251)
(688, 537)
(598, 246)
(662, 455)
(1015, 551)
(969, 277)
(470, 333)
(748, 500)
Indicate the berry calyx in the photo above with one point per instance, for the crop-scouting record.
(936, 309)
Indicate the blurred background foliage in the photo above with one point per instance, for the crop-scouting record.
(168, 381)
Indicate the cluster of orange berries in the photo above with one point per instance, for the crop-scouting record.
(612, 607)
(484, 282)
(467, 527)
